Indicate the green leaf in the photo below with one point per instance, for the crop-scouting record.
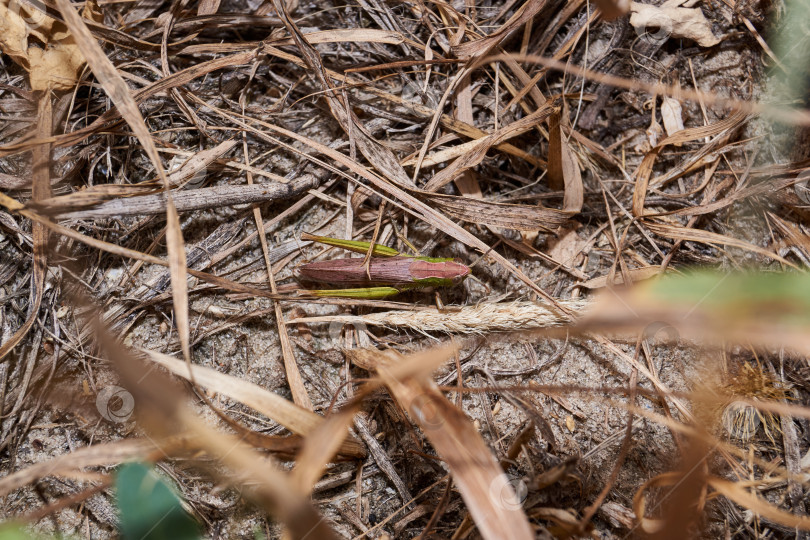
(149, 508)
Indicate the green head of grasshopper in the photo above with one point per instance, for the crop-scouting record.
(386, 273)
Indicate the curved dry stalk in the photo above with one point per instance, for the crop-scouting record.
(478, 319)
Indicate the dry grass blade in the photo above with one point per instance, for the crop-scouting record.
(478, 319)
(97, 455)
(163, 412)
(177, 269)
(294, 379)
(645, 169)
(483, 45)
(346, 35)
(467, 184)
(41, 189)
(563, 167)
(520, 217)
(737, 492)
(476, 154)
(319, 448)
(378, 155)
(707, 237)
(485, 488)
(119, 92)
(112, 82)
(297, 419)
(759, 189)
(184, 201)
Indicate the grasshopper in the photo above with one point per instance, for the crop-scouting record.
(388, 272)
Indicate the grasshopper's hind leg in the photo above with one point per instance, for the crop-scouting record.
(368, 293)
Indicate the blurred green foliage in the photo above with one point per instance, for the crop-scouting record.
(750, 295)
(149, 508)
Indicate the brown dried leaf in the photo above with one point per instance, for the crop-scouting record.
(56, 65)
(674, 21)
(207, 7)
(563, 169)
(672, 115)
(568, 247)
